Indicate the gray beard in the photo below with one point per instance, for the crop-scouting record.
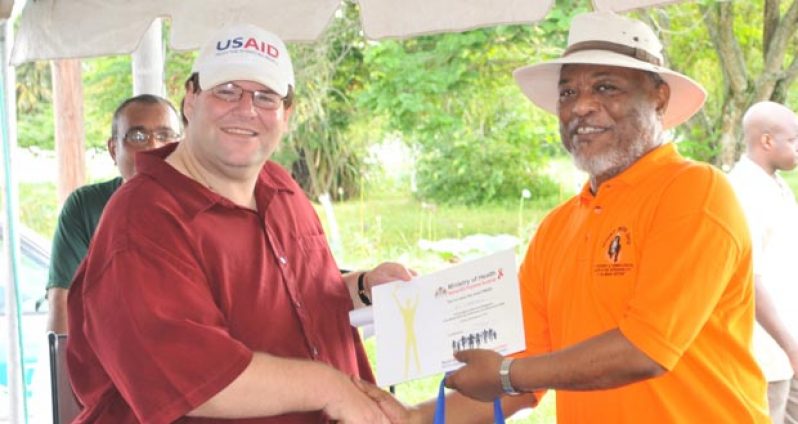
(608, 164)
(611, 163)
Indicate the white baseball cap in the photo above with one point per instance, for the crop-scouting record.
(245, 52)
(605, 38)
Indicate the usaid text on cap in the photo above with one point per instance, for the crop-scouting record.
(250, 43)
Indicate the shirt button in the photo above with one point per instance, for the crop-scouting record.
(298, 304)
(283, 260)
(597, 209)
(314, 351)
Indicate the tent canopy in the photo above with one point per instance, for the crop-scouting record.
(57, 29)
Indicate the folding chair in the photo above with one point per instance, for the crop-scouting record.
(65, 405)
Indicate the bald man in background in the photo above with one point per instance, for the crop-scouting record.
(771, 134)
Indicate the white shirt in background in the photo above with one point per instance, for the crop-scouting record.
(772, 216)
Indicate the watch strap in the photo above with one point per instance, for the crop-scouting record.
(504, 376)
(361, 289)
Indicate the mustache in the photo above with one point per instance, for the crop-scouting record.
(574, 123)
(568, 132)
(570, 126)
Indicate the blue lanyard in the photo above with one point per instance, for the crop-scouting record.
(440, 408)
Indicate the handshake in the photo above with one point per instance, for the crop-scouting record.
(477, 384)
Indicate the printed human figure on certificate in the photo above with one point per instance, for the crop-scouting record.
(407, 307)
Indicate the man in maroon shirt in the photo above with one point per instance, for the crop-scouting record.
(209, 292)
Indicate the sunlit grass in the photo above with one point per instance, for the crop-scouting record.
(390, 227)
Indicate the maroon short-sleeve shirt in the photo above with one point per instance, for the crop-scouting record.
(181, 286)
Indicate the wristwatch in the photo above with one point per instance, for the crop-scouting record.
(361, 289)
(504, 376)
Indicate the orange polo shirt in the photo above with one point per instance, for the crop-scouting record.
(662, 252)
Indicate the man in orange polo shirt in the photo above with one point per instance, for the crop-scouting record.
(638, 292)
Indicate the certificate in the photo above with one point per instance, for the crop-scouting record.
(420, 324)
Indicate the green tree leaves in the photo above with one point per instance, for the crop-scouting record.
(453, 97)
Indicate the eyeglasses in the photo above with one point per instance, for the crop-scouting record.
(262, 99)
(138, 137)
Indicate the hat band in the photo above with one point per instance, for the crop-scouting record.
(636, 53)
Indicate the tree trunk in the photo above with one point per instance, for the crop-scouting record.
(730, 144)
(69, 130)
(744, 87)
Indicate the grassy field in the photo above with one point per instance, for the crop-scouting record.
(390, 227)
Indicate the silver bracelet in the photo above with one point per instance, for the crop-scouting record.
(504, 376)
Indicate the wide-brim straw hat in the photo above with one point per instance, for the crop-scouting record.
(604, 38)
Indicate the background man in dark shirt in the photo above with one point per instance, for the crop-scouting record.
(140, 123)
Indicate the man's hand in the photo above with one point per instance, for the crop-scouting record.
(387, 272)
(383, 273)
(57, 312)
(349, 405)
(479, 378)
(396, 412)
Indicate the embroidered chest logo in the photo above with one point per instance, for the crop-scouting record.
(615, 248)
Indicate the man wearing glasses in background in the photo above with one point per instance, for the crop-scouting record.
(140, 123)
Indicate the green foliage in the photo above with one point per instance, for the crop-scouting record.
(453, 97)
(38, 209)
(107, 82)
(324, 150)
(697, 145)
(33, 86)
(474, 170)
(791, 178)
(35, 126)
(690, 50)
(177, 69)
(34, 106)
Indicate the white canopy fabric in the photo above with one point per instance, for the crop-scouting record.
(55, 29)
